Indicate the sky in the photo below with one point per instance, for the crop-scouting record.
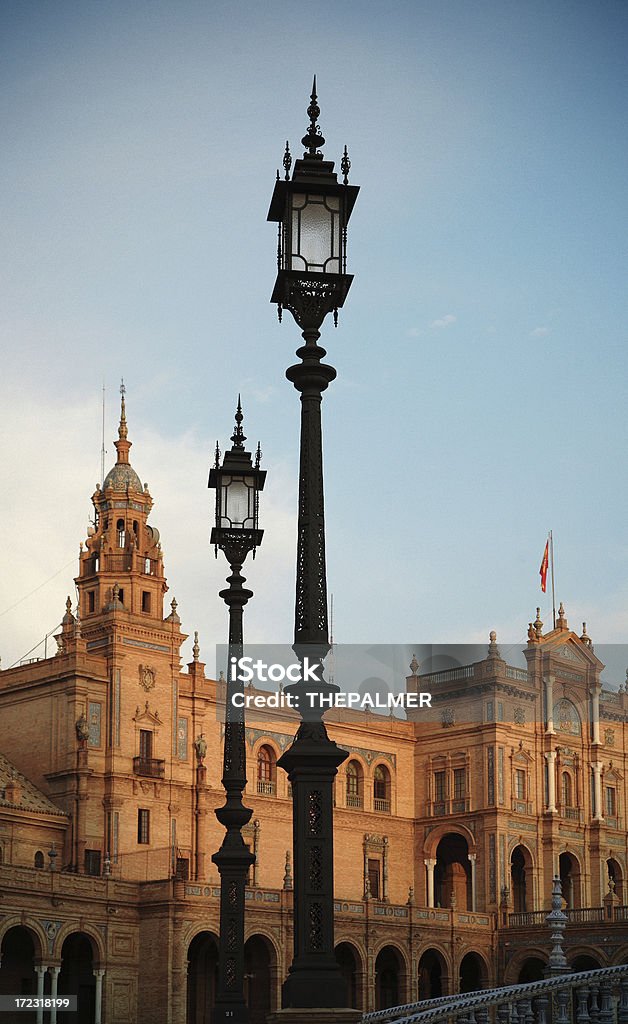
(481, 353)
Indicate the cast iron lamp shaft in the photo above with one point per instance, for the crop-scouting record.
(312, 760)
(234, 858)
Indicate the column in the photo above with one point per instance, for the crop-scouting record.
(550, 757)
(472, 859)
(549, 703)
(385, 871)
(40, 971)
(54, 981)
(430, 864)
(597, 790)
(595, 707)
(98, 974)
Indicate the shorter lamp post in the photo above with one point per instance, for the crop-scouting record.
(237, 483)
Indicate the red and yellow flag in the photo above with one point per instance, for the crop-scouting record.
(544, 565)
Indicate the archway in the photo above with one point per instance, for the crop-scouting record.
(616, 876)
(585, 962)
(569, 869)
(257, 979)
(532, 969)
(521, 879)
(452, 874)
(432, 975)
(348, 962)
(17, 973)
(202, 977)
(76, 977)
(473, 975)
(389, 988)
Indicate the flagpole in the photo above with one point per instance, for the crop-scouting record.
(551, 540)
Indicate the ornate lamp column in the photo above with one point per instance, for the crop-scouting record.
(312, 210)
(237, 483)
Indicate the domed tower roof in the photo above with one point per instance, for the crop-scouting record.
(122, 476)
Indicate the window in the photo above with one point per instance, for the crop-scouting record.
(121, 533)
(266, 771)
(460, 783)
(567, 798)
(182, 870)
(440, 786)
(91, 601)
(121, 595)
(143, 825)
(381, 788)
(92, 862)
(520, 784)
(611, 802)
(373, 870)
(354, 795)
(146, 744)
(146, 601)
(39, 860)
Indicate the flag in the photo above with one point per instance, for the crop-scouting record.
(544, 565)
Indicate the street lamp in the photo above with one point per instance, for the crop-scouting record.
(237, 483)
(312, 210)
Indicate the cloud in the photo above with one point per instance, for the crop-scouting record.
(444, 321)
(539, 332)
(413, 332)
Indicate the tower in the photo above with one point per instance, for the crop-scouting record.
(121, 568)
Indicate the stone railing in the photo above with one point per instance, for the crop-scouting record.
(589, 997)
(579, 915)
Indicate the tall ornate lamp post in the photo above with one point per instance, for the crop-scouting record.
(237, 483)
(312, 209)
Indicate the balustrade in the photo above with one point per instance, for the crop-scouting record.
(565, 999)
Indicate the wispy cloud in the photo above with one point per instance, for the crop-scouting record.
(539, 332)
(444, 321)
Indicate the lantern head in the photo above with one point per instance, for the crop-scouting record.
(238, 482)
(312, 210)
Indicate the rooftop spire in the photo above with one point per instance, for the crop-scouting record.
(122, 429)
(238, 437)
(122, 444)
(313, 138)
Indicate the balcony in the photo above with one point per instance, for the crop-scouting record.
(149, 767)
(381, 805)
(354, 800)
(265, 787)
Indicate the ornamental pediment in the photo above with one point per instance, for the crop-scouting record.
(146, 715)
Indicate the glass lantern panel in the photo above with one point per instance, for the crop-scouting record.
(237, 503)
(315, 234)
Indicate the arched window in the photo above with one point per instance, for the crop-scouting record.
(381, 789)
(354, 784)
(266, 773)
(567, 794)
(39, 860)
(121, 533)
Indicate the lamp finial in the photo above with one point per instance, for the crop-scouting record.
(313, 139)
(238, 437)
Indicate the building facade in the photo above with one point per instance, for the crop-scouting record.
(449, 827)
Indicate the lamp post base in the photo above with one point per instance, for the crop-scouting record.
(302, 992)
(315, 1015)
(238, 1013)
